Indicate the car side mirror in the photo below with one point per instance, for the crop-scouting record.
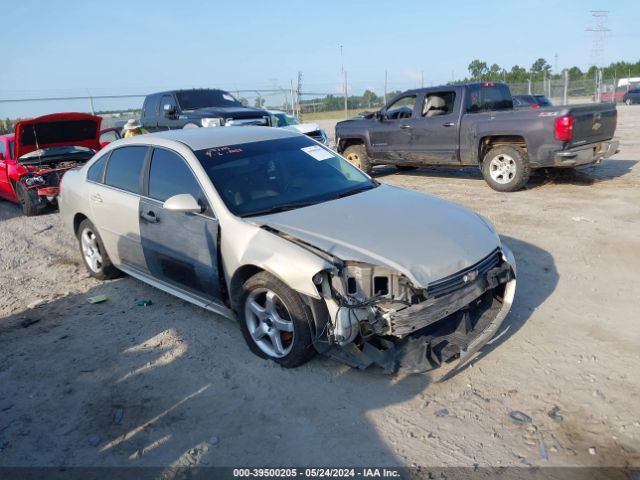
(380, 115)
(169, 110)
(183, 202)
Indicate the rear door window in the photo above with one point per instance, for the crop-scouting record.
(488, 96)
(124, 167)
(95, 171)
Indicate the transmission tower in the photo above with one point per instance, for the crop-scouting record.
(599, 32)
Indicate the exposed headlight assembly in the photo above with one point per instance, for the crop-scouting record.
(212, 122)
(35, 180)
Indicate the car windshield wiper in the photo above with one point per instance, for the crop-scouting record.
(355, 190)
(278, 208)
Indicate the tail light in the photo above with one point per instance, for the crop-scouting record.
(535, 105)
(564, 128)
(488, 84)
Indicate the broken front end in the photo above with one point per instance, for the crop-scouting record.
(377, 316)
(43, 171)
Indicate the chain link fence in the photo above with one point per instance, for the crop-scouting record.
(310, 102)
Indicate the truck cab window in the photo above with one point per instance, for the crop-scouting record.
(438, 103)
(401, 108)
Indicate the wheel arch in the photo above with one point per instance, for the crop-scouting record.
(490, 142)
(78, 218)
(344, 143)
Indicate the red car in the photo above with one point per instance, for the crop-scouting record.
(35, 157)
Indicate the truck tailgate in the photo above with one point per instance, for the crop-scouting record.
(593, 123)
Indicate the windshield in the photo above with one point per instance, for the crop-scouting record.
(285, 120)
(276, 175)
(195, 99)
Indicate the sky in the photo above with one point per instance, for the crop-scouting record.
(72, 47)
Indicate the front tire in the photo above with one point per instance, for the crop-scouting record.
(506, 168)
(357, 155)
(93, 253)
(30, 203)
(275, 322)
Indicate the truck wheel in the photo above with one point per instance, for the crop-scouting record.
(506, 168)
(28, 200)
(628, 101)
(94, 255)
(357, 155)
(274, 321)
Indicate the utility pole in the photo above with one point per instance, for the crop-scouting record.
(299, 95)
(385, 87)
(566, 87)
(293, 101)
(346, 96)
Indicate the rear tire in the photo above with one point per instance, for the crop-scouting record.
(30, 205)
(506, 168)
(93, 253)
(275, 322)
(357, 155)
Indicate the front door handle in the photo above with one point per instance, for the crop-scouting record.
(449, 124)
(96, 198)
(149, 216)
(405, 126)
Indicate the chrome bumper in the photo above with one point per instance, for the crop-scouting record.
(585, 155)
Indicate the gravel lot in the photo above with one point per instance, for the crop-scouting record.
(170, 384)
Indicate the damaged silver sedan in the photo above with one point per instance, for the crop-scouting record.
(306, 251)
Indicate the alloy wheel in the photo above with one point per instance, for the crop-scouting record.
(269, 322)
(502, 168)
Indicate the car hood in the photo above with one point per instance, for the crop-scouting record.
(227, 112)
(57, 130)
(424, 237)
(303, 127)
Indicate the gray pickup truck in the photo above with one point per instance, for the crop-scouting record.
(475, 124)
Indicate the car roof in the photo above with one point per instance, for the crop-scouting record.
(202, 138)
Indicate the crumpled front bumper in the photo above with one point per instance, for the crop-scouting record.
(422, 350)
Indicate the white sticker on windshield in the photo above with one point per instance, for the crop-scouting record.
(317, 152)
(228, 97)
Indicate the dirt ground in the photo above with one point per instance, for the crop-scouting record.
(171, 384)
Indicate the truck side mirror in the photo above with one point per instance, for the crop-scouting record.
(380, 115)
(169, 110)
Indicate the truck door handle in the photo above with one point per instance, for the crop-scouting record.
(150, 217)
(404, 126)
(449, 124)
(96, 198)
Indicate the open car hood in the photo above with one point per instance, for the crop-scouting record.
(57, 130)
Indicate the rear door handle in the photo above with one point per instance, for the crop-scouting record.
(405, 126)
(149, 216)
(96, 198)
(449, 124)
